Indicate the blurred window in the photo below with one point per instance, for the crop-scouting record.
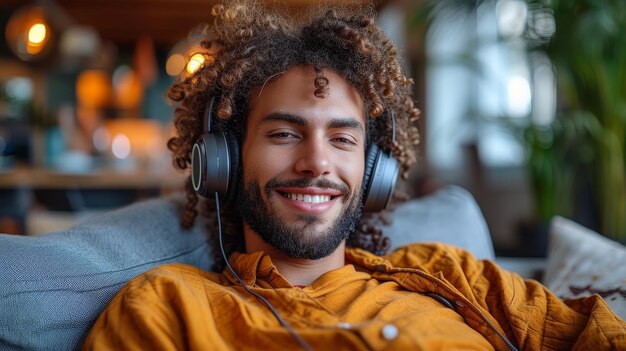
(483, 87)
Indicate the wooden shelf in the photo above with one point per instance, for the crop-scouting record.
(42, 178)
(21, 213)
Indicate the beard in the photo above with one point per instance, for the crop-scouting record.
(298, 240)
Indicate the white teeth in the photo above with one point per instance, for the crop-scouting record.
(308, 198)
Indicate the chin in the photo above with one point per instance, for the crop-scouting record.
(308, 224)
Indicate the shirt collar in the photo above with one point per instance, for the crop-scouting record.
(257, 269)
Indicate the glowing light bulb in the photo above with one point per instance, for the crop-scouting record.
(195, 62)
(37, 34)
(28, 33)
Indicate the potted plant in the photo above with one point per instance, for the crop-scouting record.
(584, 148)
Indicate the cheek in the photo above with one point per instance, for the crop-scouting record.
(247, 161)
(262, 164)
(353, 168)
(359, 171)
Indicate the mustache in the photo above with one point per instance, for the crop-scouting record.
(306, 182)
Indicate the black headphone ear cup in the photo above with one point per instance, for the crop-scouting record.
(198, 167)
(370, 160)
(211, 165)
(235, 171)
(379, 179)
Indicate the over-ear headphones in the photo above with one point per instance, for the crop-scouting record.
(214, 160)
(379, 179)
(215, 163)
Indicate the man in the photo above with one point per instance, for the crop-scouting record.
(306, 102)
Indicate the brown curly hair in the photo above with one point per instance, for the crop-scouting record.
(249, 46)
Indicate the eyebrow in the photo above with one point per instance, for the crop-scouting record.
(335, 123)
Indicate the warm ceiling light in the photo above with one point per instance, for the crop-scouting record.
(37, 37)
(189, 55)
(195, 62)
(37, 34)
(28, 33)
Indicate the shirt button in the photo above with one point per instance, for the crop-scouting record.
(389, 332)
(344, 325)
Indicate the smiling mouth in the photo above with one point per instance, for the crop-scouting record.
(306, 198)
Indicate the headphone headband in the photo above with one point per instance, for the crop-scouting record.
(207, 118)
(393, 126)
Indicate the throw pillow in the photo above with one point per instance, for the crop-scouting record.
(582, 262)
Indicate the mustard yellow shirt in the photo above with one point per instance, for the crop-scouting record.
(372, 303)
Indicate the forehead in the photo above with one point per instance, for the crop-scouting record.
(294, 92)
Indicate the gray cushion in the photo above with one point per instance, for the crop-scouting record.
(451, 215)
(54, 286)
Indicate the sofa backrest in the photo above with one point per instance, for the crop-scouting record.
(54, 286)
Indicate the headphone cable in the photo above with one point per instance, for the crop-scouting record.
(282, 322)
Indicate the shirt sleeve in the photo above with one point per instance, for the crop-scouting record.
(537, 319)
(138, 318)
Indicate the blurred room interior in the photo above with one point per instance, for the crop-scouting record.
(84, 119)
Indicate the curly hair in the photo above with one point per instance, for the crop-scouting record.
(250, 46)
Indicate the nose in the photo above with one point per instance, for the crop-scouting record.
(313, 159)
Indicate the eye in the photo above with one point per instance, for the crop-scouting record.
(283, 136)
(344, 140)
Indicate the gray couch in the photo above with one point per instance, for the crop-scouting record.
(54, 286)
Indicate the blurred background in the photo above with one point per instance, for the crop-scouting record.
(523, 103)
